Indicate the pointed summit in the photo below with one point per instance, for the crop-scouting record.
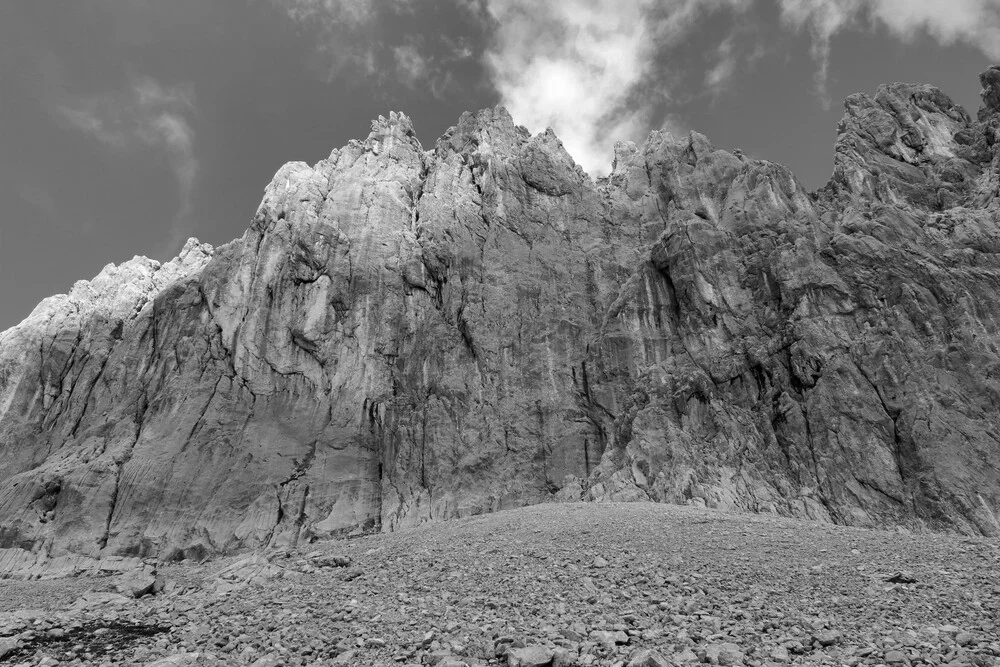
(990, 80)
(393, 136)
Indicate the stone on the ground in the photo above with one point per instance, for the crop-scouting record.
(136, 584)
(780, 654)
(195, 659)
(648, 658)
(609, 638)
(828, 637)
(895, 657)
(530, 656)
(725, 653)
(902, 577)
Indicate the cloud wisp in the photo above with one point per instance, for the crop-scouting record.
(355, 43)
(586, 67)
(147, 114)
(972, 22)
(823, 19)
(346, 29)
(411, 65)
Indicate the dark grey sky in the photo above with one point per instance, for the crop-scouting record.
(128, 125)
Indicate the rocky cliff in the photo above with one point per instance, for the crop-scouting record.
(406, 335)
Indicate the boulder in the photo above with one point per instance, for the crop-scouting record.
(648, 658)
(136, 584)
(530, 656)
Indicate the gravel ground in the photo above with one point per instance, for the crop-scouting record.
(636, 584)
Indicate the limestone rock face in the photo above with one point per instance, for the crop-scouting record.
(406, 335)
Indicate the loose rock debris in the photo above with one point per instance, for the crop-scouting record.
(606, 585)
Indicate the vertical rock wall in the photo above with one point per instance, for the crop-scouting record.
(406, 335)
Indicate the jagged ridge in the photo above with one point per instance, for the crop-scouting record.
(404, 335)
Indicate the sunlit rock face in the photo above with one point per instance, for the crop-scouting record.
(405, 335)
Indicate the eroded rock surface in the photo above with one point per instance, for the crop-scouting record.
(406, 335)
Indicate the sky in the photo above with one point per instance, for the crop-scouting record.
(127, 126)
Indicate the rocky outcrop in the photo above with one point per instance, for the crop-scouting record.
(406, 335)
(829, 354)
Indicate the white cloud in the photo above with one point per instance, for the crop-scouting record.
(572, 66)
(337, 21)
(725, 65)
(411, 66)
(352, 41)
(584, 67)
(740, 50)
(349, 12)
(346, 31)
(823, 18)
(146, 114)
(972, 22)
